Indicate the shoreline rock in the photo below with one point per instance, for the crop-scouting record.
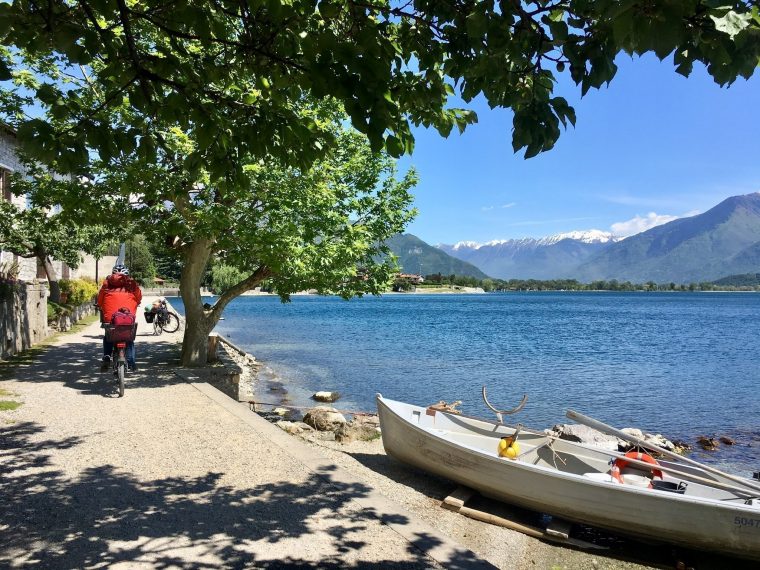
(327, 397)
(588, 436)
(323, 418)
(571, 432)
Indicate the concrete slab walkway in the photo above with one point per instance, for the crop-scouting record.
(175, 475)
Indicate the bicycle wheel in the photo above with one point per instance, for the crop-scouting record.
(121, 371)
(172, 322)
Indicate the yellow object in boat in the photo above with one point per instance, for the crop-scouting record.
(513, 451)
(508, 448)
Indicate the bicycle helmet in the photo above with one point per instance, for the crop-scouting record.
(119, 268)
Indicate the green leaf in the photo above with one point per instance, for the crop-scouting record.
(477, 25)
(329, 10)
(48, 93)
(5, 70)
(558, 30)
(732, 23)
(394, 146)
(684, 64)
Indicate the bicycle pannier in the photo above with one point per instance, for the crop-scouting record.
(122, 317)
(123, 326)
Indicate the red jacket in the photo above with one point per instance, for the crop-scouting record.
(118, 291)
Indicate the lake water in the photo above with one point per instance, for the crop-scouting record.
(680, 364)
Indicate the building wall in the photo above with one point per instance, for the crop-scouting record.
(8, 158)
(10, 163)
(87, 267)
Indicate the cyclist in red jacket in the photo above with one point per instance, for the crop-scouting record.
(118, 290)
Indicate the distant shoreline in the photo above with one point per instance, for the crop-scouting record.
(479, 291)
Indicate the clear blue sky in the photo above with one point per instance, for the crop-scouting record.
(651, 145)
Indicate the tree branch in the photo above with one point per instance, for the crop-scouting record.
(249, 282)
(102, 105)
(141, 71)
(229, 43)
(400, 13)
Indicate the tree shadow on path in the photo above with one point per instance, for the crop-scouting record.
(105, 517)
(75, 363)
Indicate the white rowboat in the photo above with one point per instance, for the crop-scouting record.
(702, 508)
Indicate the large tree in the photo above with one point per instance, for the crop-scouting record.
(321, 227)
(391, 65)
(198, 118)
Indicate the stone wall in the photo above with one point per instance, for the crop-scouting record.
(23, 318)
(65, 322)
(232, 372)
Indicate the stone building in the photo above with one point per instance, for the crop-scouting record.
(10, 163)
(29, 267)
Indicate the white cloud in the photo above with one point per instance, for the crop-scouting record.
(639, 224)
(489, 208)
(666, 201)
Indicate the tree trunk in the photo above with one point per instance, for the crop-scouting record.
(195, 341)
(199, 322)
(52, 277)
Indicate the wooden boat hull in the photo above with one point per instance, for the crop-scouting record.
(423, 438)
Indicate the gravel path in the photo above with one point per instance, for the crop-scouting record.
(167, 478)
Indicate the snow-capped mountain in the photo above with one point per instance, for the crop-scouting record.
(585, 236)
(549, 257)
(722, 241)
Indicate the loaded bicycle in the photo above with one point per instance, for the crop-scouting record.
(162, 318)
(120, 335)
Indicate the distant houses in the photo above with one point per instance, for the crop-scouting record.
(407, 282)
(29, 268)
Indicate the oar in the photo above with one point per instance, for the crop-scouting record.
(688, 476)
(604, 428)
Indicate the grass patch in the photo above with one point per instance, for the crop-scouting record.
(22, 359)
(375, 436)
(7, 405)
(28, 356)
(4, 392)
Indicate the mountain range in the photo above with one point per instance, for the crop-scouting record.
(416, 256)
(551, 257)
(723, 241)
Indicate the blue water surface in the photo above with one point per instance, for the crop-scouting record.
(680, 364)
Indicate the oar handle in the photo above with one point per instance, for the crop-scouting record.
(518, 429)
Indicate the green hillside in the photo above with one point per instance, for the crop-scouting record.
(723, 241)
(416, 256)
(744, 280)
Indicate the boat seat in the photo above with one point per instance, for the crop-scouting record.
(602, 477)
(629, 478)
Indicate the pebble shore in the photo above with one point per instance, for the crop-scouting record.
(422, 494)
